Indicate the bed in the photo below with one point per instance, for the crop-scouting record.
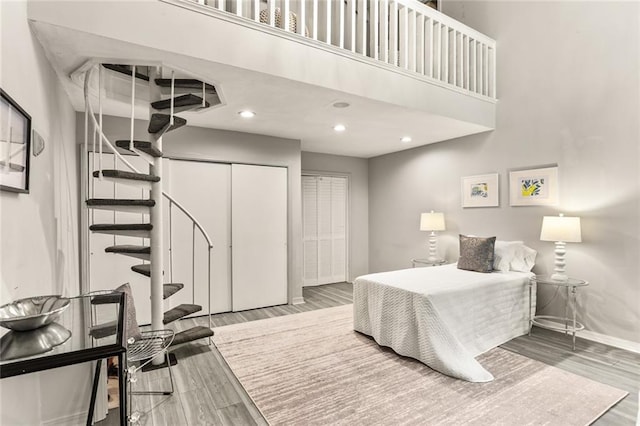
(444, 316)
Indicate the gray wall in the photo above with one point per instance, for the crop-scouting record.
(357, 170)
(568, 88)
(198, 143)
(39, 230)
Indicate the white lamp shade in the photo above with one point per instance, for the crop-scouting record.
(432, 221)
(561, 228)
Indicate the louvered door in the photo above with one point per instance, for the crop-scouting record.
(310, 229)
(325, 229)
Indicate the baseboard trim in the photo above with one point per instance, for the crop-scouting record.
(297, 300)
(616, 342)
(72, 419)
(610, 340)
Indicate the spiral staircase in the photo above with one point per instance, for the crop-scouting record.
(169, 96)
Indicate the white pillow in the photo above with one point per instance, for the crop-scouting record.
(513, 256)
(524, 259)
(505, 252)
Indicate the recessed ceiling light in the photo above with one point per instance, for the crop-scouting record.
(405, 139)
(339, 128)
(341, 104)
(247, 114)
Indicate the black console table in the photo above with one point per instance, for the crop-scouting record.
(72, 339)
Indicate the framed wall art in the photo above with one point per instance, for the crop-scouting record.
(534, 187)
(481, 191)
(15, 143)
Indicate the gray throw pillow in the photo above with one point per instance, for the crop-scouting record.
(131, 323)
(476, 253)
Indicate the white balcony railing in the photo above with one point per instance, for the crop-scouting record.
(402, 33)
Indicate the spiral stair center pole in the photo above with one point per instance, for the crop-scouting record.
(157, 249)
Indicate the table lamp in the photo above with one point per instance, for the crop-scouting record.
(432, 222)
(560, 229)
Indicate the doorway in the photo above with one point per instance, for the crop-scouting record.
(325, 228)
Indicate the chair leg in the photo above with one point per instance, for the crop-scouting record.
(161, 392)
(170, 373)
(94, 391)
(133, 417)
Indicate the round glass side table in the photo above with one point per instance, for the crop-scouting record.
(568, 323)
(427, 262)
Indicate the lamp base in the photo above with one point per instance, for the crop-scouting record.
(433, 247)
(558, 271)
(559, 277)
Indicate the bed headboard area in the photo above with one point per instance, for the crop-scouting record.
(487, 254)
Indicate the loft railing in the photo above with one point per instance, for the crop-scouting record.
(402, 33)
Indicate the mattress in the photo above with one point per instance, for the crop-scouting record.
(443, 316)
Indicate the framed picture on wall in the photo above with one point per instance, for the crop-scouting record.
(15, 143)
(534, 187)
(481, 191)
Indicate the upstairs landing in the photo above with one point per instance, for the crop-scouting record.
(291, 82)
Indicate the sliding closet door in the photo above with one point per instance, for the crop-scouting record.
(325, 229)
(259, 236)
(204, 189)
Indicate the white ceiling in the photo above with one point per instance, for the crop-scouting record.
(284, 108)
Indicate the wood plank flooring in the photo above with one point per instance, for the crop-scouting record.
(207, 392)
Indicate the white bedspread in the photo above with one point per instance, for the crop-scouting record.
(443, 316)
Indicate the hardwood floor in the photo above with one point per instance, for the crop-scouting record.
(207, 392)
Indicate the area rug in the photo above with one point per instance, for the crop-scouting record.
(313, 369)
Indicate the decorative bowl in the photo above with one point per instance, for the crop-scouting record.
(20, 344)
(32, 312)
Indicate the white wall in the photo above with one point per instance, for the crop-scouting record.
(39, 230)
(197, 143)
(357, 171)
(569, 86)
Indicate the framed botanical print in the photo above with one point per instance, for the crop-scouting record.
(15, 143)
(480, 191)
(534, 187)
